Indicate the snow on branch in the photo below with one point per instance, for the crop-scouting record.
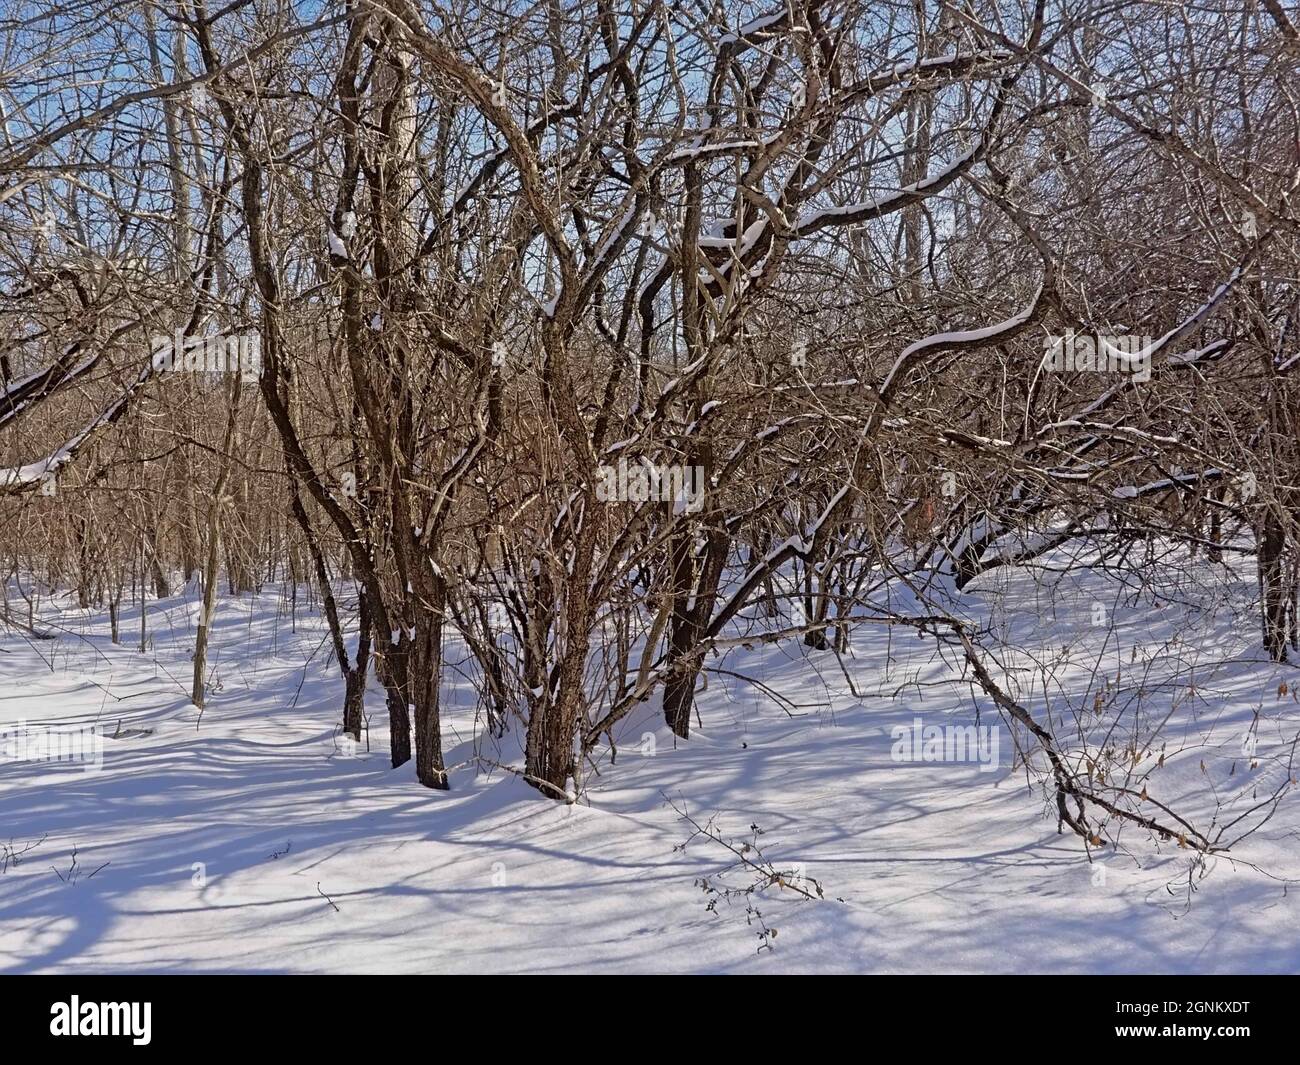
(812, 221)
(962, 340)
(16, 481)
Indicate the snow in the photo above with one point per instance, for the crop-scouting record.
(17, 388)
(16, 479)
(959, 339)
(696, 150)
(752, 27)
(813, 220)
(33, 472)
(221, 835)
(612, 235)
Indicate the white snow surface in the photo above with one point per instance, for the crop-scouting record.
(215, 840)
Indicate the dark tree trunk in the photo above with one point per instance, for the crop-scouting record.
(354, 677)
(815, 605)
(354, 698)
(395, 676)
(425, 685)
(161, 589)
(690, 621)
(1275, 596)
(679, 697)
(679, 688)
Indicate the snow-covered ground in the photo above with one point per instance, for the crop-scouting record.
(250, 840)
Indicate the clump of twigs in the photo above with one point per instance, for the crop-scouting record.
(326, 897)
(75, 870)
(11, 855)
(760, 873)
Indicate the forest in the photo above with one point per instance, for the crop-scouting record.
(672, 463)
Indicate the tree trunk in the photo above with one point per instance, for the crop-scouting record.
(1274, 594)
(214, 546)
(425, 691)
(395, 674)
(209, 599)
(354, 678)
